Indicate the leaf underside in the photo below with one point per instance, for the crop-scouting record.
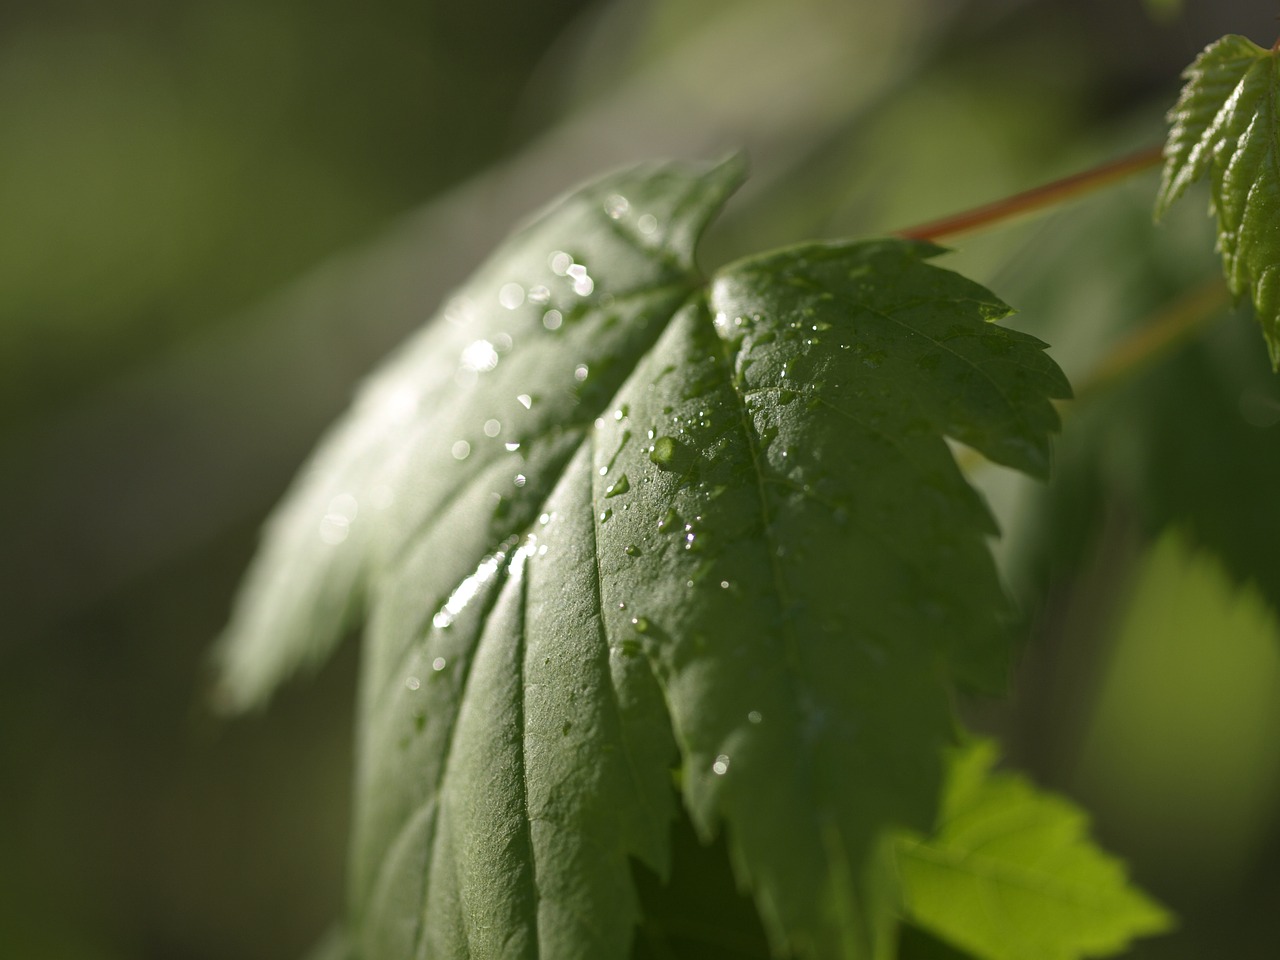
(1225, 126)
(604, 518)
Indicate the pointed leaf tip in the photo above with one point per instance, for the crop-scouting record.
(1225, 127)
(1010, 872)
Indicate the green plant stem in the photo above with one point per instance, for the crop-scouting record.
(1047, 195)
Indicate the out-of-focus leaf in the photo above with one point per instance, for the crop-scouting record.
(1010, 873)
(1225, 125)
(599, 502)
(1163, 10)
(1180, 752)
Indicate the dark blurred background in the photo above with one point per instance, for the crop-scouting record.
(216, 215)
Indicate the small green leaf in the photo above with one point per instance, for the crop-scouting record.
(604, 518)
(1010, 873)
(1225, 124)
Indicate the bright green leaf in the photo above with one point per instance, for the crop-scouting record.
(1180, 749)
(1010, 873)
(1225, 125)
(601, 503)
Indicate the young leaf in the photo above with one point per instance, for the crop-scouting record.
(1225, 125)
(1010, 873)
(602, 503)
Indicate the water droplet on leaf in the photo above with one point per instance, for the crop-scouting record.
(511, 295)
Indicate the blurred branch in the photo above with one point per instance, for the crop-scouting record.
(1038, 198)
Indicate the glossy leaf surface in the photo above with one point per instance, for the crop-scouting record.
(1225, 127)
(1010, 873)
(603, 519)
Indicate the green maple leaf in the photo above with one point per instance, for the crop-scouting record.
(1225, 125)
(603, 518)
(1010, 873)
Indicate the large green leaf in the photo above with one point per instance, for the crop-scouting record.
(1225, 125)
(1010, 873)
(600, 503)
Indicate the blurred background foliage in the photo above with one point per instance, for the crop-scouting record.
(215, 215)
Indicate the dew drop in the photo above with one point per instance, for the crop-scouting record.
(560, 262)
(511, 447)
(667, 522)
(461, 450)
(580, 372)
(786, 396)
(552, 319)
(663, 451)
(539, 294)
(616, 206)
(438, 664)
(413, 683)
(606, 514)
(641, 624)
(492, 428)
(525, 400)
(721, 766)
(632, 550)
(480, 356)
(335, 526)
(582, 283)
(521, 480)
(647, 224)
(755, 716)
(511, 295)
(618, 487)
